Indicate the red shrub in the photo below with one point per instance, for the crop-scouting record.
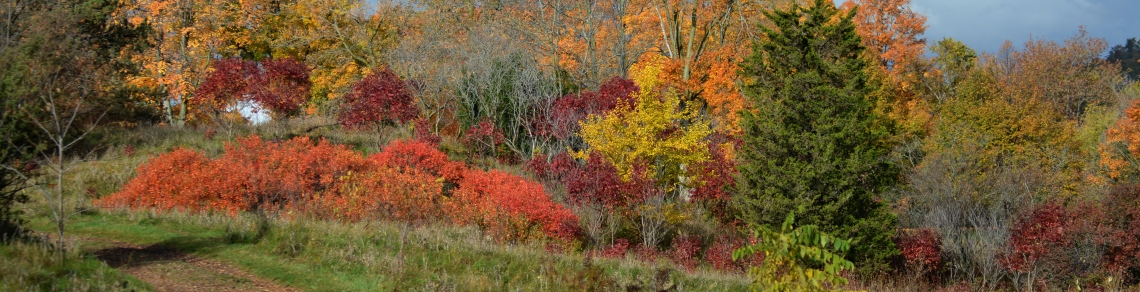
(385, 193)
(539, 167)
(562, 120)
(618, 250)
(921, 248)
(717, 175)
(597, 182)
(379, 97)
(1035, 236)
(1124, 241)
(250, 174)
(423, 132)
(483, 138)
(164, 182)
(403, 182)
(646, 254)
(685, 252)
(719, 254)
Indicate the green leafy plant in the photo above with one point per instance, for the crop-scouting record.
(797, 259)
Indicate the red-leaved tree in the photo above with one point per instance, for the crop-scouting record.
(562, 121)
(228, 83)
(381, 97)
(283, 86)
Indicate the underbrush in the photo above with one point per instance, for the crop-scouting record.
(319, 223)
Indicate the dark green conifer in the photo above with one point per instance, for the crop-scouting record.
(813, 141)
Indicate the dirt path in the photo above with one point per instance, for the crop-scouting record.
(167, 269)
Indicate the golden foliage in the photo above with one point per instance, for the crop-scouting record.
(656, 131)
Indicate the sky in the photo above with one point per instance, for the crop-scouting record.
(985, 24)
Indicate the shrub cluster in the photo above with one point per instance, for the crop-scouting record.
(409, 180)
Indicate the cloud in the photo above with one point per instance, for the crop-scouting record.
(986, 24)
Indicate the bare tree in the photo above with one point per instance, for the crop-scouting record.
(972, 205)
(59, 82)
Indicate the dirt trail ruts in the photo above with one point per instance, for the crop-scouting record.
(167, 269)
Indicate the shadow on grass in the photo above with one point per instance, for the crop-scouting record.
(171, 250)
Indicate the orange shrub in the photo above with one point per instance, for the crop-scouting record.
(412, 196)
(250, 174)
(422, 155)
(511, 207)
(405, 182)
(165, 182)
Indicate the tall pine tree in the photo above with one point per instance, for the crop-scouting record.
(813, 141)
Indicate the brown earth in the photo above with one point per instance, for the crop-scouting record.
(167, 269)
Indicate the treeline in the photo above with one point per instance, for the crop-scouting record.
(668, 128)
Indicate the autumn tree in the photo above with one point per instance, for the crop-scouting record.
(991, 154)
(704, 42)
(649, 129)
(813, 142)
(56, 86)
(1121, 146)
(184, 38)
(890, 30)
(227, 84)
(280, 86)
(950, 65)
(340, 40)
(1070, 76)
(381, 97)
(654, 141)
(505, 84)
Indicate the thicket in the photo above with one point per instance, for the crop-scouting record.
(406, 181)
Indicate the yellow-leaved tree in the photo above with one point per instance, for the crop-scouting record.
(654, 129)
(651, 139)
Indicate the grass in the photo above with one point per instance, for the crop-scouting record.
(317, 255)
(329, 256)
(31, 265)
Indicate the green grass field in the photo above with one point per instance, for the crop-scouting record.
(380, 256)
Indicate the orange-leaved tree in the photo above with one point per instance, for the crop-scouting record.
(892, 32)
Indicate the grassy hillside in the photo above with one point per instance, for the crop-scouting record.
(372, 256)
(319, 255)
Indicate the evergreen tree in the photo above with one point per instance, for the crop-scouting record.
(813, 141)
(1128, 56)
